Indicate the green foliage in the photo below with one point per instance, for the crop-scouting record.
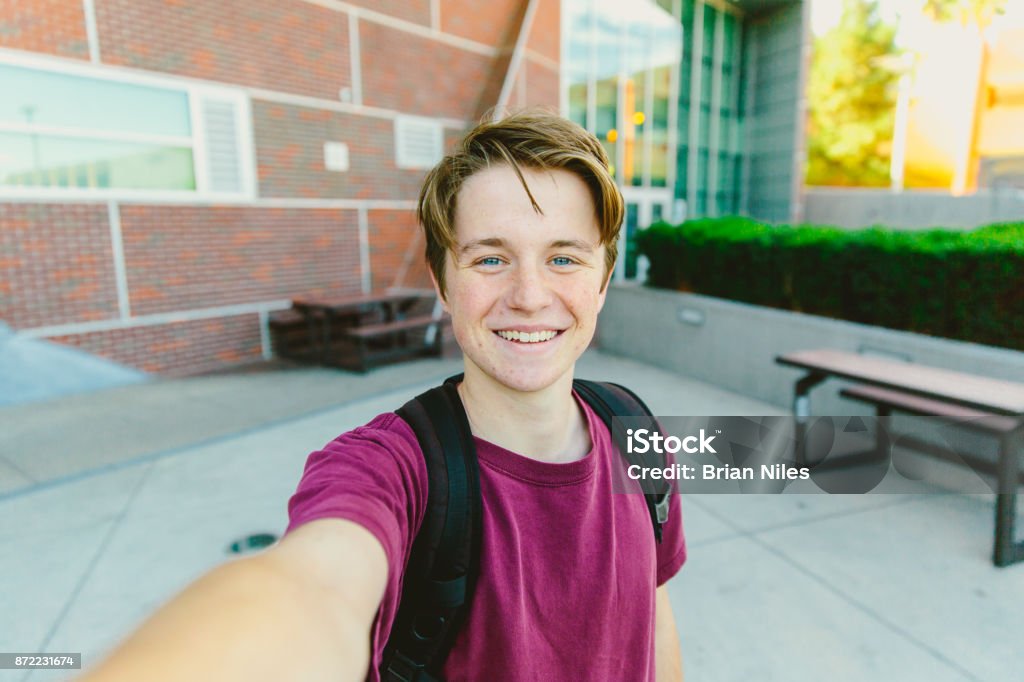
(978, 12)
(960, 285)
(852, 100)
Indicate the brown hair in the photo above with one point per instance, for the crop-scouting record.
(535, 139)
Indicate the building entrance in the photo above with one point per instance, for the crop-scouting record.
(644, 206)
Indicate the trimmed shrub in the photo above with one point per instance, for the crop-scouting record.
(960, 285)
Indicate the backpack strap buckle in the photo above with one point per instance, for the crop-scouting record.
(662, 505)
(403, 669)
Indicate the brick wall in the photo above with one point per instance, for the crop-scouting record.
(394, 238)
(56, 264)
(545, 37)
(54, 27)
(498, 26)
(541, 85)
(57, 261)
(179, 348)
(184, 257)
(290, 157)
(285, 45)
(415, 11)
(448, 78)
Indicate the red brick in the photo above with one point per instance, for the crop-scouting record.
(290, 155)
(57, 259)
(285, 45)
(51, 26)
(545, 34)
(416, 11)
(396, 243)
(58, 266)
(187, 257)
(541, 85)
(177, 349)
(419, 75)
(498, 26)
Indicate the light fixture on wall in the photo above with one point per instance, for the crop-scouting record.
(691, 316)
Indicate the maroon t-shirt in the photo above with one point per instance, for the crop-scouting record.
(568, 568)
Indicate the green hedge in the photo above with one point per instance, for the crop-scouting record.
(965, 285)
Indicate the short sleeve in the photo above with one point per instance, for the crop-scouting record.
(672, 549)
(374, 476)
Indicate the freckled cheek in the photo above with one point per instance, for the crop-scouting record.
(468, 306)
(467, 301)
(582, 301)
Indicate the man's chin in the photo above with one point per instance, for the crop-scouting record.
(531, 382)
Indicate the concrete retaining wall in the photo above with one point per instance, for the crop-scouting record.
(855, 208)
(734, 345)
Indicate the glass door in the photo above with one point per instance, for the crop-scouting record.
(644, 206)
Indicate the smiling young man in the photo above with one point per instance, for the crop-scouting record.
(521, 224)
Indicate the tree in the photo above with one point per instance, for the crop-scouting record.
(977, 12)
(852, 98)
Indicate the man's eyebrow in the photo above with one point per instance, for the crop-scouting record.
(477, 243)
(498, 242)
(573, 244)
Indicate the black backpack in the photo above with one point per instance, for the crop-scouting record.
(445, 557)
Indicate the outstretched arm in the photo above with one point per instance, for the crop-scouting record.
(302, 610)
(668, 660)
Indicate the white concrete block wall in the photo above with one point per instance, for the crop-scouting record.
(736, 344)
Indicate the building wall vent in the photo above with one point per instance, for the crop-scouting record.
(223, 167)
(419, 142)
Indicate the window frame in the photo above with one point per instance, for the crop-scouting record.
(195, 92)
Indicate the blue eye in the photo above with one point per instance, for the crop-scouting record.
(562, 260)
(490, 260)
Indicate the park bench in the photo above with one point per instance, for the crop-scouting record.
(289, 335)
(887, 401)
(378, 343)
(990, 406)
(358, 331)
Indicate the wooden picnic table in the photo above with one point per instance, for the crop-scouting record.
(330, 318)
(965, 393)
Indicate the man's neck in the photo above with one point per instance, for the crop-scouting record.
(545, 425)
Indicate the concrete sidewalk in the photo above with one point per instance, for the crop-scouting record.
(127, 495)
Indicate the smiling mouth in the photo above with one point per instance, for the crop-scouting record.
(529, 337)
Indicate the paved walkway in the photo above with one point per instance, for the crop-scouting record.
(113, 502)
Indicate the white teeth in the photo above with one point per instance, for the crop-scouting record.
(528, 337)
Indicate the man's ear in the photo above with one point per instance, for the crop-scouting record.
(604, 290)
(608, 278)
(437, 288)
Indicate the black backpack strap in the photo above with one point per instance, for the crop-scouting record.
(609, 400)
(445, 558)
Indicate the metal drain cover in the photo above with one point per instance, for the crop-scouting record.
(252, 543)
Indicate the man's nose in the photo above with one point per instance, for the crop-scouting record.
(529, 290)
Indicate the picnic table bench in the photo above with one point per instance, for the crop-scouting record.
(358, 332)
(396, 342)
(987, 405)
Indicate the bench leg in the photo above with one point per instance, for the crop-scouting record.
(802, 414)
(883, 443)
(1007, 549)
(363, 355)
(314, 352)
